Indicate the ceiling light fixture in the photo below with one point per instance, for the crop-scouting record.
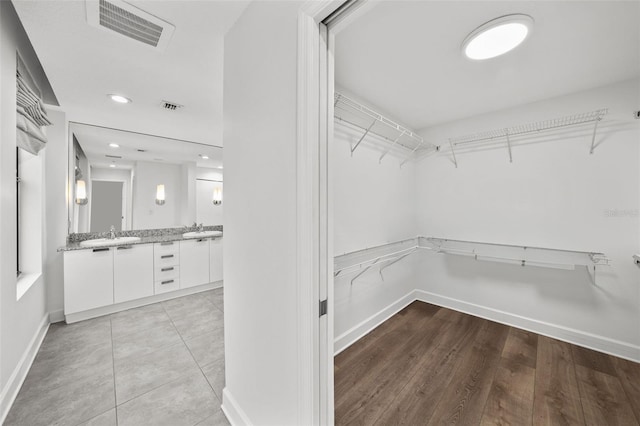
(119, 99)
(114, 145)
(113, 166)
(497, 37)
(204, 157)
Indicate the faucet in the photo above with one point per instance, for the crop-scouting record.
(112, 233)
(200, 228)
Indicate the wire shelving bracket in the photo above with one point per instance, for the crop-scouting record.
(507, 134)
(395, 138)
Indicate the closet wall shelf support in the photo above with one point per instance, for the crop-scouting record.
(362, 137)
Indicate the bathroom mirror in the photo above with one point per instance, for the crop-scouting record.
(135, 181)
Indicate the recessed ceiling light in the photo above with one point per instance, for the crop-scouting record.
(119, 99)
(113, 166)
(114, 145)
(204, 157)
(220, 167)
(497, 36)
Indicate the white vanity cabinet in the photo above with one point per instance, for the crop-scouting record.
(194, 262)
(104, 280)
(215, 259)
(88, 279)
(132, 272)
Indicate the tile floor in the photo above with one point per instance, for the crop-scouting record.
(161, 364)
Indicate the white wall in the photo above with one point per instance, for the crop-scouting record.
(56, 211)
(260, 215)
(373, 204)
(21, 321)
(554, 194)
(146, 213)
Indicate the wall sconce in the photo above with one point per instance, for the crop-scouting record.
(81, 192)
(160, 195)
(217, 196)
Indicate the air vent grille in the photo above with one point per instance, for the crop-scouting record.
(128, 24)
(171, 106)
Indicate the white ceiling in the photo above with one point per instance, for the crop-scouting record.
(85, 63)
(95, 142)
(405, 57)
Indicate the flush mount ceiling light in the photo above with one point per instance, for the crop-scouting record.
(119, 99)
(204, 157)
(113, 166)
(497, 36)
(114, 145)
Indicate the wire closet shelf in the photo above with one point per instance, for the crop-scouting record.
(382, 256)
(379, 130)
(506, 134)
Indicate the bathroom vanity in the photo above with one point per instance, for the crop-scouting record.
(104, 279)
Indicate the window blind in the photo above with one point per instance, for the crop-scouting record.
(31, 116)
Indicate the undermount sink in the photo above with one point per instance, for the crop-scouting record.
(202, 234)
(97, 242)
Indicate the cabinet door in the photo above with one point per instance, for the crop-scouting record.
(88, 279)
(215, 260)
(194, 262)
(132, 272)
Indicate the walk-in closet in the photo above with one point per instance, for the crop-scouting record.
(486, 225)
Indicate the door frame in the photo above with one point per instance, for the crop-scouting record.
(314, 254)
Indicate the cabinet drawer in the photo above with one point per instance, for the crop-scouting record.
(167, 247)
(166, 259)
(169, 284)
(162, 273)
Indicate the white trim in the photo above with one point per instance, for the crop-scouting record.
(232, 410)
(360, 330)
(25, 282)
(577, 337)
(117, 307)
(11, 389)
(315, 390)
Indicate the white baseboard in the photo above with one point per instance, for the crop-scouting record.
(355, 333)
(577, 337)
(11, 389)
(232, 410)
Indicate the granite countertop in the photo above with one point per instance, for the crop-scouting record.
(146, 236)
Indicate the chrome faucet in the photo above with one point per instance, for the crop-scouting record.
(200, 228)
(112, 233)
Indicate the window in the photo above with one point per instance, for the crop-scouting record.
(29, 217)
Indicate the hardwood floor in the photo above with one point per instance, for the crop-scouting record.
(428, 365)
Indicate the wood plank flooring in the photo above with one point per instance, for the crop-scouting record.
(428, 365)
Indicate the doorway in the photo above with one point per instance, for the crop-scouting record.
(107, 205)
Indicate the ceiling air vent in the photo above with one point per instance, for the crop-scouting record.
(129, 21)
(171, 106)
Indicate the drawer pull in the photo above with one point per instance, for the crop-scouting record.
(125, 247)
(166, 256)
(169, 243)
(166, 269)
(166, 282)
(101, 249)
